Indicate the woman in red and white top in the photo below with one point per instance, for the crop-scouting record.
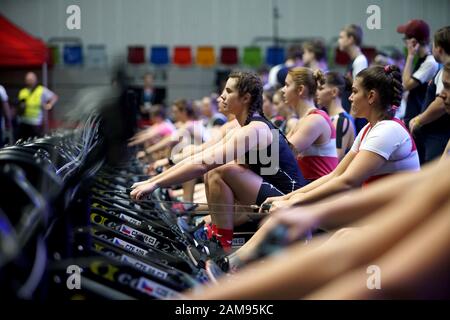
(383, 147)
(314, 136)
(399, 151)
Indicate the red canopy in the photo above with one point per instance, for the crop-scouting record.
(18, 48)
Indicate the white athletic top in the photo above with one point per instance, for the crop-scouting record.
(438, 82)
(427, 70)
(391, 140)
(360, 63)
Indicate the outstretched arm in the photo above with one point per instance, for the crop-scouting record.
(363, 166)
(446, 153)
(246, 138)
(343, 209)
(168, 141)
(334, 212)
(181, 159)
(418, 261)
(185, 131)
(342, 166)
(225, 132)
(144, 136)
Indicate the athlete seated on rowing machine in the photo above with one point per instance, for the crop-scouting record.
(189, 130)
(161, 128)
(223, 133)
(254, 164)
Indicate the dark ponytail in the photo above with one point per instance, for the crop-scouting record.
(335, 79)
(387, 81)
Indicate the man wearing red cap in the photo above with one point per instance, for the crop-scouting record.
(416, 76)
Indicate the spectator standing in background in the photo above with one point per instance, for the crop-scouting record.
(350, 41)
(433, 122)
(34, 99)
(417, 72)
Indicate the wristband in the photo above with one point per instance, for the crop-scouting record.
(418, 124)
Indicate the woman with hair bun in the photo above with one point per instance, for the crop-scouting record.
(383, 147)
(314, 136)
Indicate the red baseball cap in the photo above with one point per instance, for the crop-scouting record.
(417, 29)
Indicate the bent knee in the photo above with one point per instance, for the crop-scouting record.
(229, 170)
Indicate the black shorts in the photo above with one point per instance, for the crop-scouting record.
(267, 190)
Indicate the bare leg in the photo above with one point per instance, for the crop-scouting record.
(206, 178)
(226, 184)
(188, 190)
(241, 216)
(199, 193)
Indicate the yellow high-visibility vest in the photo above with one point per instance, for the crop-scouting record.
(33, 102)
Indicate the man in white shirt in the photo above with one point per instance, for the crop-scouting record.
(350, 40)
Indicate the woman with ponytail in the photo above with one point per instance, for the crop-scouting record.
(253, 164)
(383, 147)
(329, 97)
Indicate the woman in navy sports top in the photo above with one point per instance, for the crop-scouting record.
(252, 165)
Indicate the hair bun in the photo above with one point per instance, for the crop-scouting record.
(391, 68)
(319, 76)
